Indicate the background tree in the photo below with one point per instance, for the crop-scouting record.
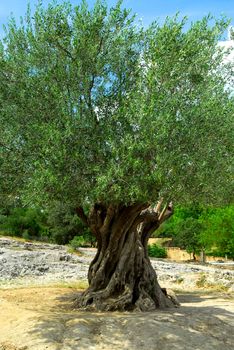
(64, 224)
(218, 231)
(197, 228)
(24, 222)
(185, 229)
(118, 122)
(58, 223)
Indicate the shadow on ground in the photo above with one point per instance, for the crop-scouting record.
(203, 322)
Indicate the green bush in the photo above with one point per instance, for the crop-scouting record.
(77, 241)
(63, 223)
(23, 222)
(55, 224)
(201, 282)
(157, 251)
(85, 240)
(26, 235)
(217, 253)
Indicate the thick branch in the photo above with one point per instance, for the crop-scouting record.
(109, 216)
(148, 215)
(80, 212)
(158, 205)
(166, 213)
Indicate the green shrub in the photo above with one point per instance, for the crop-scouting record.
(157, 251)
(64, 224)
(85, 240)
(217, 253)
(26, 235)
(77, 241)
(201, 282)
(23, 221)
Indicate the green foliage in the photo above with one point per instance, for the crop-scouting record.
(63, 223)
(85, 240)
(156, 251)
(26, 235)
(94, 108)
(194, 228)
(218, 231)
(188, 235)
(201, 281)
(232, 33)
(24, 222)
(185, 229)
(57, 224)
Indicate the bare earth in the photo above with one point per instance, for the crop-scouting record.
(36, 310)
(43, 318)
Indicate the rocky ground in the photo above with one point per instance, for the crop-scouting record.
(24, 263)
(37, 312)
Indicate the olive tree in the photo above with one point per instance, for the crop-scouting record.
(120, 122)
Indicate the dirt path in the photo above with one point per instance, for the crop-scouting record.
(43, 319)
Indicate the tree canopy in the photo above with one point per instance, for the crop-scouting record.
(95, 108)
(111, 118)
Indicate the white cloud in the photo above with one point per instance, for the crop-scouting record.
(228, 45)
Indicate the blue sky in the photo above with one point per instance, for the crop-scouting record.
(148, 10)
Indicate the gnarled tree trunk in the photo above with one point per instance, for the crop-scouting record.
(121, 276)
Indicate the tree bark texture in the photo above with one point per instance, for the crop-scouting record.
(121, 276)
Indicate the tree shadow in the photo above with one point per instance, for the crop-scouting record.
(201, 296)
(194, 325)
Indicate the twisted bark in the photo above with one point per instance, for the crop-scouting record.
(121, 276)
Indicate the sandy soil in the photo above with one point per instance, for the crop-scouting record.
(43, 318)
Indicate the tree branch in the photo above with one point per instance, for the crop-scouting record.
(109, 216)
(80, 212)
(158, 205)
(148, 215)
(64, 49)
(166, 213)
(95, 220)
